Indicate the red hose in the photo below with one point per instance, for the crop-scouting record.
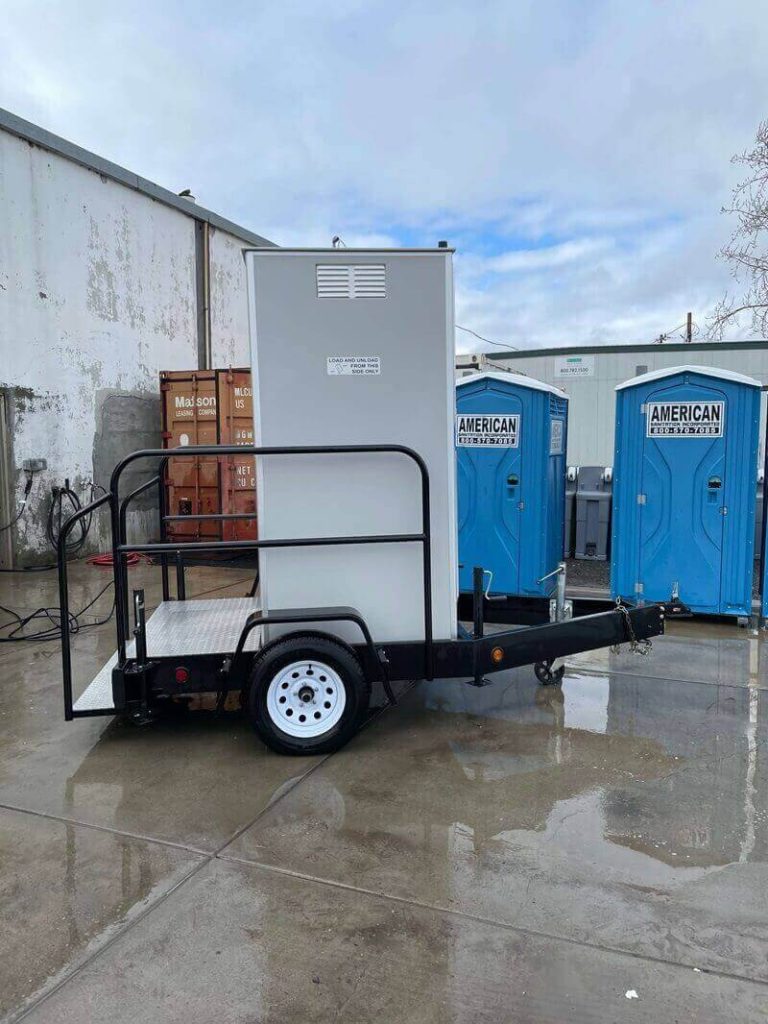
(106, 562)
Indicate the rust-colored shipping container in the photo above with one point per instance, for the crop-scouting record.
(207, 407)
(238, 473)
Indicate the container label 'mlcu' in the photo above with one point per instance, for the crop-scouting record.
(684, 419)
(487, 430)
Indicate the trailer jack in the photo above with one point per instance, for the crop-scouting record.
(478, 626)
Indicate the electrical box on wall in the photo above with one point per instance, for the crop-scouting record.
(355, 347)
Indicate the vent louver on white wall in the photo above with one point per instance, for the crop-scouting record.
(351, 281)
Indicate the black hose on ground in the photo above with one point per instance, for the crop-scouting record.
(65, 503)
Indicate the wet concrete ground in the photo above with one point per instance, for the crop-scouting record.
(515, 853)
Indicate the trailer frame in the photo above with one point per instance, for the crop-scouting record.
(141, 678)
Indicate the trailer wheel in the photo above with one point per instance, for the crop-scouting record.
(548, 676)
(307, 694)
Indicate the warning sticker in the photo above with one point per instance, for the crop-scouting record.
(556, 437)
(684, 419)
(353, 366)
(487, 430)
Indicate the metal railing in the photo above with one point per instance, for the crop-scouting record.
(61, 555)
(167, 548)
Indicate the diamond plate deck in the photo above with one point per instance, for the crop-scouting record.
(180, 628)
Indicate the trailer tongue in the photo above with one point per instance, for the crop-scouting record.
(305, 689)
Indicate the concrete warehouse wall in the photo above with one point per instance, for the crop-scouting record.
(229, 302)
(99, 291)
(593, 404)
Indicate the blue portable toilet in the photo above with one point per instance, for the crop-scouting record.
(684, 489)
(511, 433)
(761, 529)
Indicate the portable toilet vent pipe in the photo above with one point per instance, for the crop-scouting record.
(684, 489)
(511, 434)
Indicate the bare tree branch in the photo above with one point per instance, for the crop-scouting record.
(747, 250)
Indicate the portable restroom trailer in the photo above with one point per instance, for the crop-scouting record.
(510, 453)
(684, 489)
(354, 404)
(356, 345)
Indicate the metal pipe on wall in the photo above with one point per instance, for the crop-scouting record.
(203, 287)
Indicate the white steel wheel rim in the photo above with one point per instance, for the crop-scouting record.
(306, 699)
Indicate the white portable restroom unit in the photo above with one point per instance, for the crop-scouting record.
(352, 354)
(356, 347)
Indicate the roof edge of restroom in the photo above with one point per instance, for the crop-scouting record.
(704, 371)
(520, 379)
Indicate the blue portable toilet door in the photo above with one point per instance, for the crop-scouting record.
(683, 495)
(490, 489)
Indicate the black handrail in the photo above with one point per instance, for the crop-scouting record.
(61, 556)
(122, 519)
(161, 511)
(218, 516)
(120, 547)
(292, 542)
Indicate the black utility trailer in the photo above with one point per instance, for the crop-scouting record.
(305, 691)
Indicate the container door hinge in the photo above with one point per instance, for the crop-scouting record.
(638, 588)
(641, 499)
(521, 505)
(724, 510)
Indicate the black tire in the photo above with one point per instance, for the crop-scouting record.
(308, 647)
(545, 674)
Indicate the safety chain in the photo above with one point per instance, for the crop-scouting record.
(635, 646)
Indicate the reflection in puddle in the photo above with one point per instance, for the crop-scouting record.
(675, 766)
(73, 888)
(580, 703)
(579, 837)
(586, 702)
(748, 844)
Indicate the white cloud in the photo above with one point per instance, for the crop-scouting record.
(583, 147)
(548, 257)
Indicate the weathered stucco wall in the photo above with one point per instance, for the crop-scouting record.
(97, 295)
(229, 301)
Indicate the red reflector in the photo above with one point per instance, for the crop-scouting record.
(182, 675)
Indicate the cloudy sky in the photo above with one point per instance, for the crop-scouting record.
(576, 152)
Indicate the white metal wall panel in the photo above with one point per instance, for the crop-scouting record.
(593, 404)
(299, 399)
